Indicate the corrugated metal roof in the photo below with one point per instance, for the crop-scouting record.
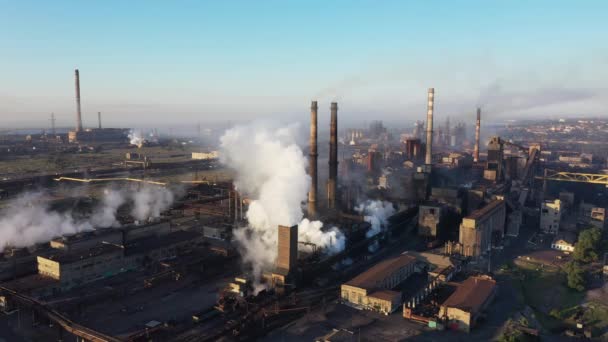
(380, 271)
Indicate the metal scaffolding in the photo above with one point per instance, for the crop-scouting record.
(575, 177)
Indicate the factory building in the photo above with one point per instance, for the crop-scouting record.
(550, 216)
(494, 163)
(413, 149)
(287, 257)
(477, 229)
(75, 269)
(590, 214)
(464, 307)
(86, 240)
(211, 155)
(94, 135)
(372, 289)
(431, 217)
(84, 258)
(453, 198)
(99, 135)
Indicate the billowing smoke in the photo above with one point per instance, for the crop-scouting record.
(311, 231)
(150, 202)
(105, 215)
(27, 220)
(271, 170)
(136, 137)
(377, 214)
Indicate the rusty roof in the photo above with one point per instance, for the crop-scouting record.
(380, 271)
(471, 294)
(479, 213)
(385, 295)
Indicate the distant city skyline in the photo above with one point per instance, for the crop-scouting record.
(150, 63)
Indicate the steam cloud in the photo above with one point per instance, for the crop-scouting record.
(377, 214)
(271, 170)
(27, 220)
(136, 138)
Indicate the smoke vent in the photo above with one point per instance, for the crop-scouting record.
(333, 157)
(429, 127)
(78, 112)
(312, 194)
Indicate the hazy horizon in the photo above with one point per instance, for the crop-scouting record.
(152, 63)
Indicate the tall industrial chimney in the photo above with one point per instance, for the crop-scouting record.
(312, 194)
(477, 132)
(78, 113)
(429, 127)
(53, 124)
(333, 157)
(99, 119)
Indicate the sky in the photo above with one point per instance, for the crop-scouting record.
(170, 63)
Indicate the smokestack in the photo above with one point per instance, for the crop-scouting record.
(99, 119)
(53, 124)
(477, 132)
(333, 157)
(312, 194)
(78, 113)
(429, 127)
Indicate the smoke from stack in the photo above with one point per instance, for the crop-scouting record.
(78, 112)
(99, 119)
(477, 135)
(377, 214)
(27, 220)
(270, 169)
(313, 155)
(136, 137)
(333, 157)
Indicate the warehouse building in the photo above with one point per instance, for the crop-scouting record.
(462, 309)
(75, 269)
(372, 289)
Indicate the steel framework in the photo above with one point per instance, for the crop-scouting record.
(575, 177)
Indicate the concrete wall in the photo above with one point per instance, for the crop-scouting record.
(550, 216)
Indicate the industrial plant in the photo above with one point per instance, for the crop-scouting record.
(278, 171)
(239, 241)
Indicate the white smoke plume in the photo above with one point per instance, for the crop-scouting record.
(271, 170)
(136, 137)
(311, 231)
(150, 202)
(105, 215)
(377, 214)
(27, 220)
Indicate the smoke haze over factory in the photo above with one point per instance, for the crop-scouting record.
(221, 62)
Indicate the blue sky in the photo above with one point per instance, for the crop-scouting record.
(162, 62)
